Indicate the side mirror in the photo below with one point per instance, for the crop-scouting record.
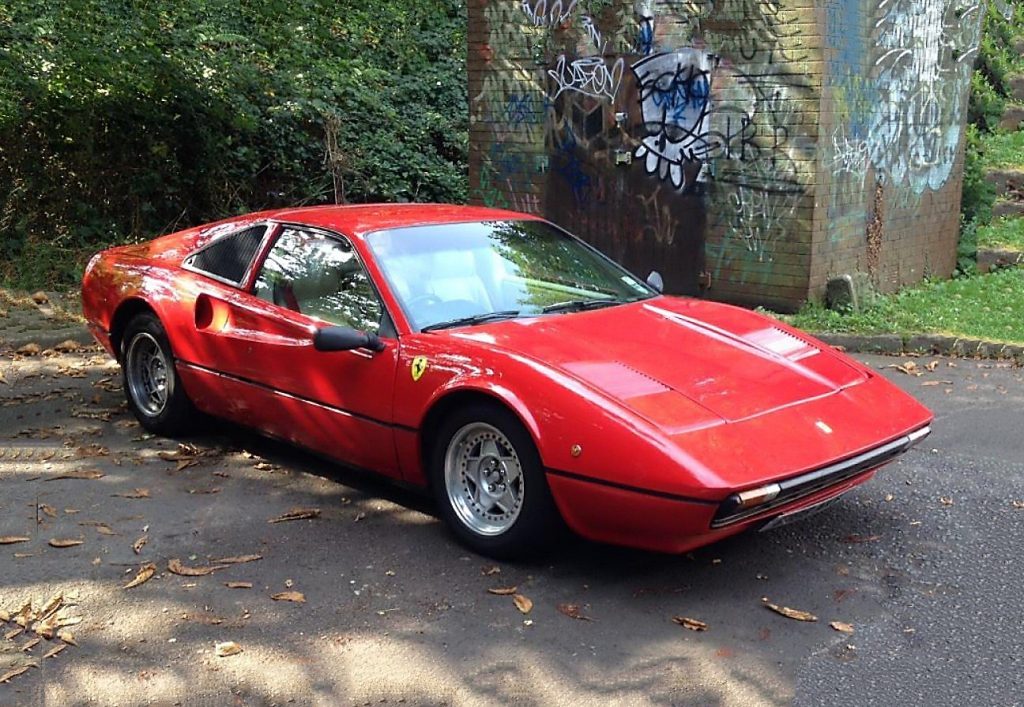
(656, 281)
(343, 338)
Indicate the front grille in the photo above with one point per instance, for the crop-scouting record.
(798, 487)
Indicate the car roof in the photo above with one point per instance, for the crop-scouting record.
(360, 219)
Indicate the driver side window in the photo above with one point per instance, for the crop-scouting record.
(320, 277)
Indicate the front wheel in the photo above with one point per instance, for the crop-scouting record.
(151, 384)
(489, 483)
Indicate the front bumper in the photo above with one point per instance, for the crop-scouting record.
(656, 521)
(736, 508)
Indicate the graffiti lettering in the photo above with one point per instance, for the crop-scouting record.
(540, 15)
(591, 76)
(593, 33)
(674, 101)
(570, 167)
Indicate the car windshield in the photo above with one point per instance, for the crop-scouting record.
(467, 273)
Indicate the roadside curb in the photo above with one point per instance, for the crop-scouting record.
(47, 323)
(917, 344)
(992, 258)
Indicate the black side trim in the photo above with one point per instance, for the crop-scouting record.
(286, 394)
(627, 487)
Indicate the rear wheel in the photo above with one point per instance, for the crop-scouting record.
(151, 384)
(489, 483)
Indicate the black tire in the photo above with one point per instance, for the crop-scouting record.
(537, 521)
(145, 335)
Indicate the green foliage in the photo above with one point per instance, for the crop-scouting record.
(1003, 233)
(123, 120)
(997, 61)
(977, 193)
(986, 105)
(1002, 149)
(985, 306)
(967, 249)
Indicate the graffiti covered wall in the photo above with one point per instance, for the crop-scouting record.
(753, 146)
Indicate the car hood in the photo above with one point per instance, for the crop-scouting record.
(679, 362)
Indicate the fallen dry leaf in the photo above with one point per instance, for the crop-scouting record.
(31, 349)
(223, 650)
(932, 365)
(40, 297)
(522, 603)
(12, 539)
(795, 614)
(90, 474)
(861, 538)
(139, 544)
(238, 559)
(30, 644)
(4, 616)
(145, 573)
(1018, 504)
(134, 493)
(67, 637)
(238, 585)
(46, 629)
(502, 591)
(50, 607)
(104, 529)
(692, 624)
(11, 674)
(24, 615)
(297, 597)
(910, 368)
(13, 633)
(174, 566)
(54, 651)
(945, 501)
(297, 514)
(841, 626)
(573, 612)
(488, 571)
(65, 542)
(48, 510)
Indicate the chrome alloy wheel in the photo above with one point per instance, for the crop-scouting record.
(484, 479)
(147, 372)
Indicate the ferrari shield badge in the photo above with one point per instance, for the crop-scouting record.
(419, 365)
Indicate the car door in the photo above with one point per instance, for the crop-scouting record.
(338, 403)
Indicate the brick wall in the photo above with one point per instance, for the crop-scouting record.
(760, 146)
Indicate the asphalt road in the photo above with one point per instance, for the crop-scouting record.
(923, 562)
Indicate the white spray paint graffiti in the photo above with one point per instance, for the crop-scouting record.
(925, 48)
(675, 104)
(591, 76)
(540, 15)
(592, 32)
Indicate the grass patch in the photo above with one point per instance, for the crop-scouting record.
(1002, 234)
(982, 307)
(1003, 149)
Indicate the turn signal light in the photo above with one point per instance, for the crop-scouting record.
(755, 497)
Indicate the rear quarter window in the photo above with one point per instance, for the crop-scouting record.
(228, 258)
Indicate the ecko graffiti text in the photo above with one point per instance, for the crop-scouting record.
(675, 103)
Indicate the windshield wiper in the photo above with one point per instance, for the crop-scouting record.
(578, 305)
(475, 319)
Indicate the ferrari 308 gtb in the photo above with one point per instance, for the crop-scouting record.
(514, 371)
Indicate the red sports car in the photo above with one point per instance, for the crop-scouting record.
(491, 357)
